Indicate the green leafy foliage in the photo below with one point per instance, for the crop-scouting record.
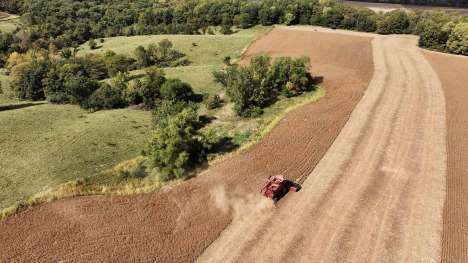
(106, 97)
(458, 39)
(226, 25)
(394, 22)
(116, 63)
(252, 88)
(212, 101)
(175, 146)
(79, 89)
(63, 26)
(92, 44)
(175, 89)
(160, 55)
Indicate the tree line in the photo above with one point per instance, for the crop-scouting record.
(449, 3)
(63, 24)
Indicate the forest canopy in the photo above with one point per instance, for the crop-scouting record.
(59, 24)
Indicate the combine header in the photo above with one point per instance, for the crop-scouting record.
(276, 187)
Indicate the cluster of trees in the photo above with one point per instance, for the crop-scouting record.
(443, 32)
(177, 144)
(254, 87)
(160, 55)
(39, 75)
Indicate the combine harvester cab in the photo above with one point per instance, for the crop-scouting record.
(276, 187)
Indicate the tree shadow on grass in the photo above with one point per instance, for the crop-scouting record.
(204, 119)
(196, 97)
(19, 106)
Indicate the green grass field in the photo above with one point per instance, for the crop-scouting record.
(9, 24)
(206, 57)
(44, 145)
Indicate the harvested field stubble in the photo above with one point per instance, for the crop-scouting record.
(377, 195)
(452, 71)
(176, 225)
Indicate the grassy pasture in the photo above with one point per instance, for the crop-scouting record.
(9, 24)
(44, 145)
(206, 56)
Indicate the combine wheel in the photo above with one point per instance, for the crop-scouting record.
(275, 199)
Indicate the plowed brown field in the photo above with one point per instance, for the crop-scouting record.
(176, 225)
(452, 71)
(378, 193)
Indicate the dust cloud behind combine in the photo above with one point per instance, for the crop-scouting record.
(253, 204)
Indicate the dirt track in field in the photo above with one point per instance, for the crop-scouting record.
(176, 225)
(452, 71)
(378, 193)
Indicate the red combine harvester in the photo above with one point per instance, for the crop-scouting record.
(276, 187)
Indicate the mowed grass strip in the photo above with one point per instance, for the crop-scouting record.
(44, 145)
(206, 56)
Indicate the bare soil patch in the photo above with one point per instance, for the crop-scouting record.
(452, 71)
(378, 193)
(176, 225)
(4, 15)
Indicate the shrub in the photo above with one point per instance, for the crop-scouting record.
(175, 89)
(227, 60)
(211, 140)
(106, 97)
(92, 44)
(79, 89)
(66, 53)
(184, 62)
(212, 101)
(221, 76)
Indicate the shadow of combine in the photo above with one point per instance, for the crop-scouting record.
(289, 184)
